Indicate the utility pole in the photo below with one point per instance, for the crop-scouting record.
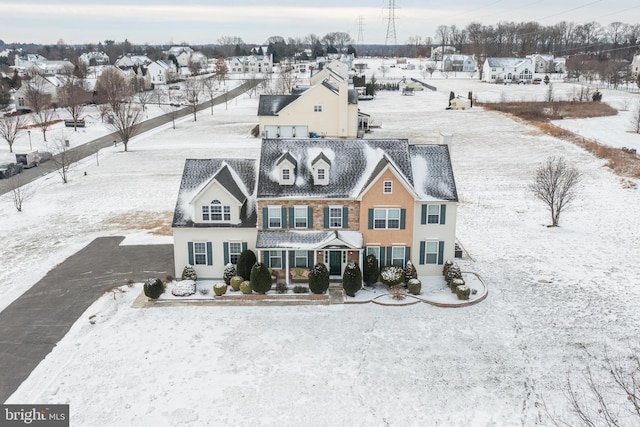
(360, 25)
(391, 24)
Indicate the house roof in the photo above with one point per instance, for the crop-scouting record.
(432, 172)
(309, 240)
(507, 62)
(270, 105)
(238, 176)
(353, 163)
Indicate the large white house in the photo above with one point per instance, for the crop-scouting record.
(507, 69)
(308, 201)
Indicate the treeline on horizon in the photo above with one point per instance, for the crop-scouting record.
(616, 40)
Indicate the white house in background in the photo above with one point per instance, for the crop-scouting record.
(334, 71)
(326, 109)
(507, 69)
(129, 60)
(635, 66)
(308, 201)
(161, 71)
(177, 50)
(94, 58)
(250, 64)
(457, 62)
(48, 85)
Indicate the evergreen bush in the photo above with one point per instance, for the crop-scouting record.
(246, 260)
(352, 279)
(410, 272)
(235, 282)
(189, 273)
(463, 292)
(319, 279)
(392, 275)
(153, 288)
(300, 289)
(281, 288)
(260, 278)
(229, 272)
(455, 283)
(370, 270)
(414, 286)
(245, 287)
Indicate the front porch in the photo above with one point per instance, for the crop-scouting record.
(290, 255)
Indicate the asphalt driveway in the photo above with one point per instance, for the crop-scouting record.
(32, 325)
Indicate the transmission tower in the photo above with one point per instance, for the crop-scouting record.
(360, 36)
(391, 25)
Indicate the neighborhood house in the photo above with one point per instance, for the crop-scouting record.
(308, 201)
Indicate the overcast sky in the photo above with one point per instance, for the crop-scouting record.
(201, 21)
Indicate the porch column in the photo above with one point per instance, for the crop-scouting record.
(286, 267)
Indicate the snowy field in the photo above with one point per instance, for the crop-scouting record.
(558, 297)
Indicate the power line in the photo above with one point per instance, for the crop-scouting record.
(360, 25)
(391, 25)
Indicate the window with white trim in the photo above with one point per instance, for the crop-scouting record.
(397, 256)
(216, 211)
(431, 253)
(386, 218)
(300, 216)
(373, 250)
(335, 217)
(275, 217)
(275, 259)
(321, 174)
(286, 174)
(387, 187)
(317, 108)
(433, 214)
(199, 253)
(301, 259)
(234, 252)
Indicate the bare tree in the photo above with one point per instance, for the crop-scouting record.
(594, 403)
(113, 88)
(11, 127)
(171, 107)
(127, 117)
(221, 70)
(19, 191)
(192, 90)
(62, 158)
(40, 104)
(144, 98)
(555, 183)
(208, 86)
(73, 96)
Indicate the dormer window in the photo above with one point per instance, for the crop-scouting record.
(216, 211)
(320, 166)
(286, 174)
(286, 168)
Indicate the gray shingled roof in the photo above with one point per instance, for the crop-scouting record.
(270, 105)
(353, 161)
(198, 172)
(432, 172)
(287, 239)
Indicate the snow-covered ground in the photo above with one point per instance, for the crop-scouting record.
(557, 296)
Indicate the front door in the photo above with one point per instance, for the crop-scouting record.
(335, 263)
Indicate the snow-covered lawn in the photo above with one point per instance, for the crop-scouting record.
(557, 296)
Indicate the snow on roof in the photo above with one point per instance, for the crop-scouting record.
(237, 175)
(307, 240)
(270, 105)
(432, 172)
(355, 161)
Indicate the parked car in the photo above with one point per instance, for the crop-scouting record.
(537, 81)
(7, 170)
(28, 160)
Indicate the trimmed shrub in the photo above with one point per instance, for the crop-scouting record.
(453, 272)
(414, 286)
(447, 264)
(281, 288)
(220, 289)
(189, 273)
(229, 272)
(319, 279)
(352, 279)
(409, 272)
(153, 288)
(184, 288)
(463, 292)
(455, 283)
(392, 275)
(370, 270)
(245, 287)
(235, 282)
(246, 260)
(300, 289)
(597, 96)
(260, 278)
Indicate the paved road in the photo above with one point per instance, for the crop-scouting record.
(92, 147)
(34, 323)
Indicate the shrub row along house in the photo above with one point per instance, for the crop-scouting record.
(308, 201)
